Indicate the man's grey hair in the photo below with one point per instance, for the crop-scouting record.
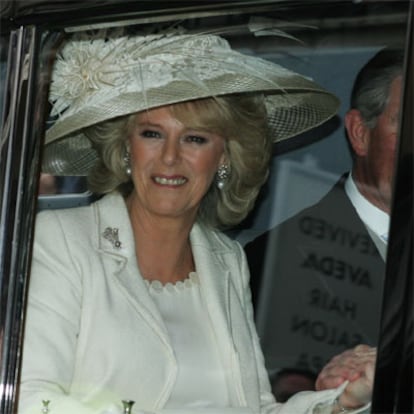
(370, 92)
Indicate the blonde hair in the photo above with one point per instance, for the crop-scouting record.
(240, 119)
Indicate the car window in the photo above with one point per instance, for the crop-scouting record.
(317, 275)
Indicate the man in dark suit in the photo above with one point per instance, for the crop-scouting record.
(321, 272)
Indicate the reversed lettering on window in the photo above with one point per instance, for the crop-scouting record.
(338, 269)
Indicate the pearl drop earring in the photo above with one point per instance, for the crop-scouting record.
(127, 160)
(222, 175)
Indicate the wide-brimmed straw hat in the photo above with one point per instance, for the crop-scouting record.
(96, 79)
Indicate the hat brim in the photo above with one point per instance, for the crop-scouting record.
(291, 110)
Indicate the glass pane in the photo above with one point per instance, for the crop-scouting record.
(317, 276)
(317, 285)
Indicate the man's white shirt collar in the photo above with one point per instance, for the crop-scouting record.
(375, 219)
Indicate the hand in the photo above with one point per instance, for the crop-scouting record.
(356, 366)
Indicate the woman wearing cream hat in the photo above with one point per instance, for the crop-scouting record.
(138, 297)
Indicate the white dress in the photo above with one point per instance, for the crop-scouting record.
(201, 379)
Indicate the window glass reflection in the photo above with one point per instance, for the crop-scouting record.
(317, 276)
(316, 282)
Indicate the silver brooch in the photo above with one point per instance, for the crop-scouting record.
(128, 406)
(111, 234)
(45, 406)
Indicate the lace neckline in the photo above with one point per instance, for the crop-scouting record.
(157, 286)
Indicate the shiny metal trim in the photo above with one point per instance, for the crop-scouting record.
(21, 140)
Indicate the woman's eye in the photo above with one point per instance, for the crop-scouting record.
(148, 133)
(196, 139)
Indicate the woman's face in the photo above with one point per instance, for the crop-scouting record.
(172, 165)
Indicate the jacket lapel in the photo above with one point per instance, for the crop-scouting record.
(118, 255)
(214, 277)
(212, 260)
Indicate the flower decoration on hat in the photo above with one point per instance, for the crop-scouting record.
(84, 68)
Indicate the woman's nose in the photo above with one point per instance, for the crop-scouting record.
(171, 151)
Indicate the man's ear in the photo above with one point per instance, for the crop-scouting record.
(358, 132)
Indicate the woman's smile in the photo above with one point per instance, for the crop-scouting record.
(169, 181)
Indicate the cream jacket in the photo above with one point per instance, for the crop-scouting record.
(94, 337)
